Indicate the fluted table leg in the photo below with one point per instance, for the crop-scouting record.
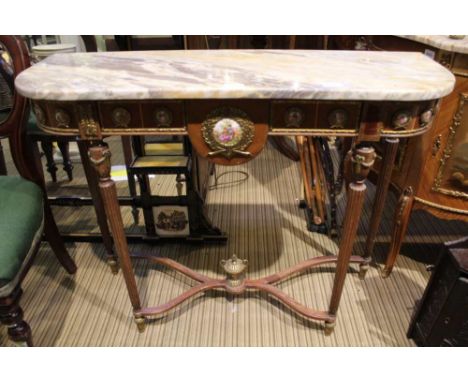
(99, 155)
(358, 163)
(400, 224)
(391, 146)
(91, 178)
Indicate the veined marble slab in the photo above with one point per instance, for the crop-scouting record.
(260, 74)
(442, 42)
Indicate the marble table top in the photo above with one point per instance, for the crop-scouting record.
(442, 42)
(253, 74)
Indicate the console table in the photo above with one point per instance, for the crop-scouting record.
(228, 102)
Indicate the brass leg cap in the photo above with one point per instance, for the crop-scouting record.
(141, 324)
(114, 266)
(386, 272)
(329, 327)
(363, 268)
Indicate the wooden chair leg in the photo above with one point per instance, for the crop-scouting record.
(11, 315)
(145, 191)
(3, 169)
(48, 149)
(64, 147)
(52, 235)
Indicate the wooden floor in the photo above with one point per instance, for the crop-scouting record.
(264, 225)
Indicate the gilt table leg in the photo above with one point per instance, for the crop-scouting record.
(391, 146)
(357, 166)
(400, 224)
(91, 178)
(99, 155)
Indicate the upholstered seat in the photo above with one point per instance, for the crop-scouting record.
(21, 217)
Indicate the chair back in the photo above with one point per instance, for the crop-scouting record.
(14, 125)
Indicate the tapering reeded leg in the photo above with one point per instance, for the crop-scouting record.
(400, 224)
(99, 155)
(93, 184)
(358, 163)
(391, 146)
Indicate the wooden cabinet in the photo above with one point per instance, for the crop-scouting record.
(441, 317)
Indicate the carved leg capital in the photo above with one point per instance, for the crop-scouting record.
(93, 184)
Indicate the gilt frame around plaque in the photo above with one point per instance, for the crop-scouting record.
(228, 131)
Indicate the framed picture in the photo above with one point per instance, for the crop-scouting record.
(171, 221)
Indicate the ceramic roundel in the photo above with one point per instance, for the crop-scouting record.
(228, 131)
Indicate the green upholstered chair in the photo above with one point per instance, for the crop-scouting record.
(25, 215)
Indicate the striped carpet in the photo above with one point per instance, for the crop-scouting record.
(264, 225)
